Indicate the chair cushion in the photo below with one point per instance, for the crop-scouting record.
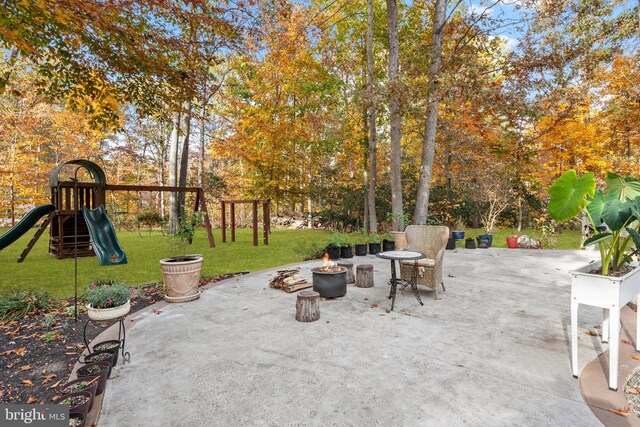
(424, 262)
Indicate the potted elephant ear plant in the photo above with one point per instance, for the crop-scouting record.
(613, 280)
(181, 273)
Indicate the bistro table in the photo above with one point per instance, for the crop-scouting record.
(402, 256)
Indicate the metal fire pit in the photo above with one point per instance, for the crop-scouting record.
(330, 284)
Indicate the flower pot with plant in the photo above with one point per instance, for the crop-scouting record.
(108, 300)
(613, 280)
(361, 239)
(111, 345)
(78, 402)
(387, 242)
(346, 250)
(181, 273)
(335, 242)
(374, 243)
(100, 369)
(399, 219)
(89, 384)
(101, 356)
(458, 229)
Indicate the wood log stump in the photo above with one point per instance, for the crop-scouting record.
(308, 306)
(349, 266)
(364, 276)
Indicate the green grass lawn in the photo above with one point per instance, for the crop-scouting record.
(42, 272)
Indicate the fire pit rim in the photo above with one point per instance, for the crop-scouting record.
(316, 270)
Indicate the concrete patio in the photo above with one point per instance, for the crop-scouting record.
(493, 351)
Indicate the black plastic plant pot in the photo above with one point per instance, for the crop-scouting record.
(388, 245)
(76, 419)
(361, 249)
(346, 251)
(469, 243)
(78, 402)
(102, 356)
(113, 345)
(93, 369)
(374, 248)
(451, 243)
(79, 385)
(333, 251)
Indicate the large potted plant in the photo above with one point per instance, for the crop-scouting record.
(335, 242)
(400, 237)
(346, 250)
(108, 300)
(361, 239)
(374, 243)
(181, 273)
(611, 281)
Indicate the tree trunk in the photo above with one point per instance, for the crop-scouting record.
(431, 119)
(373, 220)
(394, 113)
(308, 306)
(184, 158)
(174, 211)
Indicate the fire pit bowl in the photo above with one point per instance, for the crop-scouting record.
(330, 282)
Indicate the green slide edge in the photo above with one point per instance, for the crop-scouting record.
(103, 237)
(25, 224)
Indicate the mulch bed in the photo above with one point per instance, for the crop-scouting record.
(38, 352)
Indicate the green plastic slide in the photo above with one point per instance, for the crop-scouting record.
(103, 237)
(24, 225)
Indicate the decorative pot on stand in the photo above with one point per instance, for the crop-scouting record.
(108, 314)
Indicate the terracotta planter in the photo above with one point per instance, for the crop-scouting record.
(108, 314)
(400, 239)
(181, 278)
(512, 242)
(88, 371)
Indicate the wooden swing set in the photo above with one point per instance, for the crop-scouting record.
(68, 227)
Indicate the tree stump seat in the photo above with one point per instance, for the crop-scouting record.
(308, 306)
(364, 276)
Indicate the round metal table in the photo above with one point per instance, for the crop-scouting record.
(402, 256)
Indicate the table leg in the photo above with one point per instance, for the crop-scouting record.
(605, 325)
(414, 282)
(394, 284)
(574, 336)
(614, 346)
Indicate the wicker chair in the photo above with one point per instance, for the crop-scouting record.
(431, 241)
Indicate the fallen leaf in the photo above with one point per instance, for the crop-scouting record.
(374, 305)
(31, 400)
(48, 378)
(24, 368)
(623, 412)
(625, 341)
(635, 356)
(27, 383)
(80, 346)
(381, 314)
(597, 327)
(70, 354)
(593, 334)
(156, 311)
(632, 391)
(55, 385)
(10, 365)
(21, 351)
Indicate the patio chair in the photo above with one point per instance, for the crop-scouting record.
(431, 240)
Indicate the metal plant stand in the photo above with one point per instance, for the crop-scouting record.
(122, 334)
(395, 281)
